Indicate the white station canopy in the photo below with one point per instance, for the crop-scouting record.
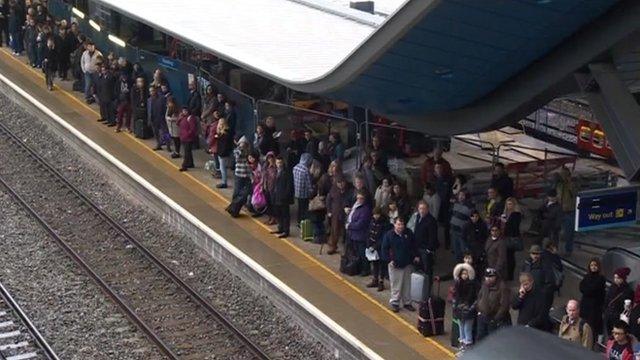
(297, 41)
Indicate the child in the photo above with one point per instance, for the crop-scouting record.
(378, 227)
(464, 301)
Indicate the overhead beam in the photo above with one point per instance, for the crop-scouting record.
(538, 84)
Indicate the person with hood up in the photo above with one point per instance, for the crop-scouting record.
(464, 302)
(494, 300)
(618, 292)
(187, 125)
(303, 186)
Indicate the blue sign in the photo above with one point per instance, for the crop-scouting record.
(168, 62)
(600, 209)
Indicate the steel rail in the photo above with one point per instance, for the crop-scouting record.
(192, 293)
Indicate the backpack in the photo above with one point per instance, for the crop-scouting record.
(558, 276)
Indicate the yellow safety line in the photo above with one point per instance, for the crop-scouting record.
(223, 199)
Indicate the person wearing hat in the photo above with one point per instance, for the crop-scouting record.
(618, 292)
(494, 300)
(541, 271)
(551, 218)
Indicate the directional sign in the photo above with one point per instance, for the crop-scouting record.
(606, 208)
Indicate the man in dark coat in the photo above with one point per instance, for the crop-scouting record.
(399, 248)
(551, 218)
(66, 44)
(106, 94)
(501, 181)
(443, 183)
(541, 272)
(4, 22)
(194, 103)
(283, 198)
(156, 113)
(531, 304)
(50, 63)
(426, 236)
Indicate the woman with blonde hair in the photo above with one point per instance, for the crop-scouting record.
(510, 220)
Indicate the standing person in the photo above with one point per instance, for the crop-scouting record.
(427, 171)
(567, 192)
(618, 292)
(494, 300)
(475, 234)
(4, 23)
(194, 102)
(574, 328)
(531, 304)
(494, 207)
(464, 302)
(510, 220)
(399, 196)
(634, 314)
(156, 116)
(383, 193)
(242, 180)
(30, 35)
(139, 97)
(550, 218)
(425, 232)
(187, 127)
(460, 214)
(620, 346)
(89, 66)
(224, 147)
(496, 251)
(433, 199)
(16, 20)
(398, 247)
(231, 116)
(50, 63)
(283, 198)
(303, 187)
(171, 118)
(541, 271)
(592, 287)
(357, 227)
(123, 108)
(336, 203)
(105, 87)
(269, 186)
(66, 44)
(501, 181)
(442, 182)
(336, 148)
(379, 226)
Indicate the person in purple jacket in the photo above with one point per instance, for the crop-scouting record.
(187, 124)
(357, 226)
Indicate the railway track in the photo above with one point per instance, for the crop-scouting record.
(19, 338)
(176, 318)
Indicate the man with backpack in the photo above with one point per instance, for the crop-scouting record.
(574, 328)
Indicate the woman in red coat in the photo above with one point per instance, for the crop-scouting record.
(188, 134)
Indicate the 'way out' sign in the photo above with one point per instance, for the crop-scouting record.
(606, 208)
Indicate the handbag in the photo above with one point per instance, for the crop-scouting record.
(317, 203)
(514, 243)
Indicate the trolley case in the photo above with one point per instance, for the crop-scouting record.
(141, 130)
(306, 230)
(431, 315)
(419, 287)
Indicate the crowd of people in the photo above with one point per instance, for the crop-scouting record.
(367, 217)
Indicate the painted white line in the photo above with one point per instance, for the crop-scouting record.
(264, 273)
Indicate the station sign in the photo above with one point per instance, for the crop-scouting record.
(607, 208)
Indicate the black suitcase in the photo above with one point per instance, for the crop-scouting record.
(431, 315)
(141, 130)
(349, 263)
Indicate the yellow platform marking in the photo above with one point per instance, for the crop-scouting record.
(226, 202)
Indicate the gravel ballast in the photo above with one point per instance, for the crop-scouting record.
(70, 311)
(277, 333)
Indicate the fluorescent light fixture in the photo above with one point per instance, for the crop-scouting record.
(94, 25)
(117, 40)
(77, 13)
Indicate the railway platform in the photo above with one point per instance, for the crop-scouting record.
(363, 313)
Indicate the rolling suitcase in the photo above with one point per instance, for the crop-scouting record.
(306, 230)
(419, 287)
(431, 315)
